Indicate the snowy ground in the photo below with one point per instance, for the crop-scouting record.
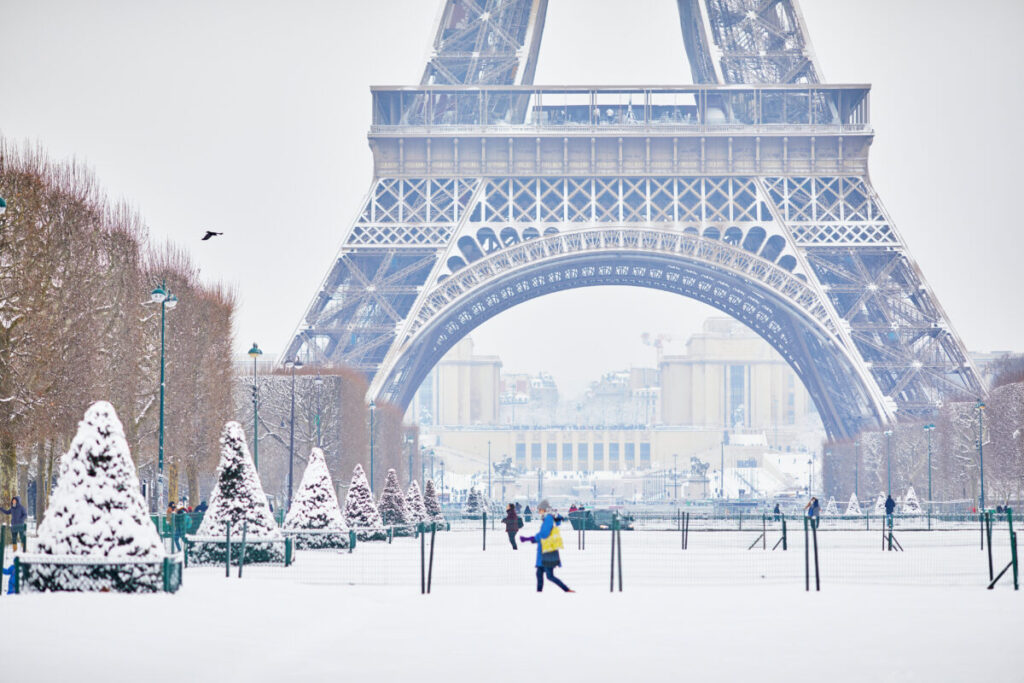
(484, 621)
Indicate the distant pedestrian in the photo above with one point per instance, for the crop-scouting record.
(18, 515)
(548, 540)
(813, 507)
(527, 513)
(201, 508)
(890, 507)
(512, 525)
(178, 528)
(777, 512)
(519, 509)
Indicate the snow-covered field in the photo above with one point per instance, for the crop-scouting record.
(704, 614)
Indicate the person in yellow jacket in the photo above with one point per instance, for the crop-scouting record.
(548, 540)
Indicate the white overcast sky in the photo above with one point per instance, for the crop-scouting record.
(250, 118)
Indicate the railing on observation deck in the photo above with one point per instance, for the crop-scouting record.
(696, 108)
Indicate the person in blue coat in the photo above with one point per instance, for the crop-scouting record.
(19, 515)
(546, 562)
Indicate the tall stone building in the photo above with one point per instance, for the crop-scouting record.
(730, 378)
(463, 389)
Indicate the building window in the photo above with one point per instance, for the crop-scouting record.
(630, 456)
(521, 456)
(552, 463)
(567, 456)
(598, 456)
(613, 456)
(535, 456)
(582, 457)
(645, 456)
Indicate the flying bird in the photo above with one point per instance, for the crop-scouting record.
(209, 234)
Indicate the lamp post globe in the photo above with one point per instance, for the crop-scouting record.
(255, 353)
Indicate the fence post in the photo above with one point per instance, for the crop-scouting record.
(618, 534)
(16, 577)
(807, 558)
(391, 531)
(764, 532)
(611, 581)
(485, 529)
(988, 535)
(421, 528)
(351, 540)
(584, 533)
(167, 574)
(867, 521)
(430, 568)
(784, 533)
(3, 547)
(981, 529)
(287, 551)
(814, 534)
(241, 552)
(227, 555)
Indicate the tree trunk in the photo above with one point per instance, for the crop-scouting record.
(8, 467)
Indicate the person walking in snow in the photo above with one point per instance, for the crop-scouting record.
(527, 513)
(18, 515)
(777, 512)
(890, 507)
(548, 540)
(512, 525)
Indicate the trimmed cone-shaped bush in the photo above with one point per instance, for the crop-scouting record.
(831, 510)
(853, 507)
(911, 505)
(431, 504)
(315, 509)
(392, 506)
(414, 503)
(97, 511)
(880, 504)
(359, 512)
(238, 498)
(475, 505)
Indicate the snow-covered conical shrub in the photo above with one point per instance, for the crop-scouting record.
(475, 505)
(911, 505)
(392, 502)
(879, 504)
(359, 512)
(315, 508)
(831, 510)
(431, 504)
(97, 509)
(853, 507)
(238, 498)
(414, 503)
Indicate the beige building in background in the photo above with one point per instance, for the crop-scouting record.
(464, 388)
(730, 377)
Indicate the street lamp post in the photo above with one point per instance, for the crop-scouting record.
(255, 353)
(981, 453)
(160, 295)
(442, 480)
(675, 476)
(292, 365)
(888, 461)
(488, 469)
(373, 408)
(928, 432)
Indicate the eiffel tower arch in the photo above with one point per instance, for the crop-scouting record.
(747, 190)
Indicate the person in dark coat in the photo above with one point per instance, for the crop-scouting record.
(813, 507)
(19, 515)
(890, 507)
(777, 512)
(527, 513)
(546, 562)
(512, 525)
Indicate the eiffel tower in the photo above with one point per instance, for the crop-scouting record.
(748, 190)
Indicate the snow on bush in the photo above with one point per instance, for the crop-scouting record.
(880, 504)
(359, 512)
(414, 503)
(97, 511)
(315, 508)
(911, 505)
(853, 507)
(475, 505)
(831, 510)
(431, 504)
(237, 498)
(392, 506)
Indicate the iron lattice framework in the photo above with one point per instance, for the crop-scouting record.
(748, 191)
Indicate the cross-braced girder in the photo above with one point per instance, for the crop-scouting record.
(749, 192)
